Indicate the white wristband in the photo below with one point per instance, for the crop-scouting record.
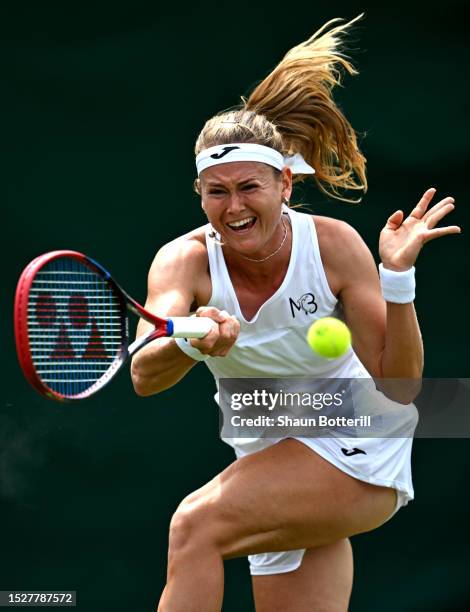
(185, 345)
(397, 287)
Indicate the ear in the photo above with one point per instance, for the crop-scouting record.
(286, 183)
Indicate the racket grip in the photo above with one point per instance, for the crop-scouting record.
(191, 327)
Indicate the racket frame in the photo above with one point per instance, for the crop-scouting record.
(164, 327)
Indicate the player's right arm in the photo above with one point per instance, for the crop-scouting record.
(178, 280)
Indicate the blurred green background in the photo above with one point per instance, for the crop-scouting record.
(100, 107)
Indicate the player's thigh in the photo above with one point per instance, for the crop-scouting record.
(322, 583)
(282, 498)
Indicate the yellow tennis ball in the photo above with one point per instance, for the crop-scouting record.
(329, 337)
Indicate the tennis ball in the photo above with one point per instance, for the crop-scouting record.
(329, 337)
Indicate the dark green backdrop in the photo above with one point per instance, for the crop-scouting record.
(99, 111)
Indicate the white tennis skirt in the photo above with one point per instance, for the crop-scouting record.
(379, 461)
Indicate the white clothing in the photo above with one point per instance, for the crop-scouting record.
(272, 345)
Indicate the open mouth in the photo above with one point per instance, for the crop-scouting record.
(243, 224)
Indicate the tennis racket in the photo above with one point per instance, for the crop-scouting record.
(72, 328)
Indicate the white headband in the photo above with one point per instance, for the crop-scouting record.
(247, 151)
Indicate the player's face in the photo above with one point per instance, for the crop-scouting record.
(243, 201)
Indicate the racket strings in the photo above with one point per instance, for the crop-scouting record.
(76, 326)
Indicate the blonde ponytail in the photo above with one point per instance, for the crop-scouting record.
(293, 111)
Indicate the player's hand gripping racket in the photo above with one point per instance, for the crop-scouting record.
(71, 325)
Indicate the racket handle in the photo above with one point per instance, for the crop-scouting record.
(191, 327)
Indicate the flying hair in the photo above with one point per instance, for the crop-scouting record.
(292, 110)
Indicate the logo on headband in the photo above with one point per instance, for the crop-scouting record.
(225, 150)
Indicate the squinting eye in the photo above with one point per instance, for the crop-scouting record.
(248, 187)
(215, 192)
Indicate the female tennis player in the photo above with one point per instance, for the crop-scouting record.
(290, 505)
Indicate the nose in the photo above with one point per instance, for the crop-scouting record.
(235, 204)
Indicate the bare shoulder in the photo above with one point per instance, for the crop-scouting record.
(333, 233)
(178, 279)
(344, 253)
(339, 241)
(187, 253)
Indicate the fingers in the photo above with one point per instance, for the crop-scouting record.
(219, 316)
(438, 212)
(435, 214)
(421, 207)
(395, 220)
(228, 333)
(220, 339)
(401, 240)
(442, 231)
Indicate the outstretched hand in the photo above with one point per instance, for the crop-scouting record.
(402, 239)
(221, 338)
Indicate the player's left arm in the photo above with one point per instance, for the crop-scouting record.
(353, 277)
(401, 241)
(386, 335)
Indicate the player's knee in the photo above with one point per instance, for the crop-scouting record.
(192, 526)
(182, 528)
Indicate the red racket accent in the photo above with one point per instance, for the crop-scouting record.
(63, 348)
(71, 325)
(95, 348)
(46, 310)
(78, 310)
(21, 324)
(59, 342)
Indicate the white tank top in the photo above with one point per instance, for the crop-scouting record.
(273, 343)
